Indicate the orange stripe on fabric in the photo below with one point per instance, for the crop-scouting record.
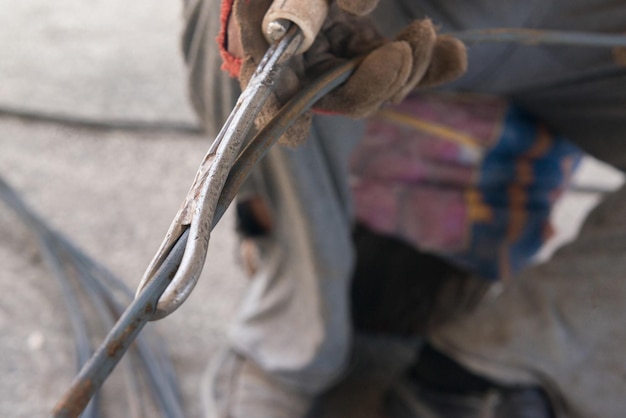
(478, 211)
(524, 176)
(432, 128)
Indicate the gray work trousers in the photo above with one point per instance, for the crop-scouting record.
(560, 325)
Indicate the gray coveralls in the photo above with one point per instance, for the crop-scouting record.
(560, 325)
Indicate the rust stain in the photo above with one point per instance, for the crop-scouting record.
(534, 36)
(619, 55)
(149, 308)
(75, 401)
(118, 344)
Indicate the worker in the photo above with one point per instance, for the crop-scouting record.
(414, 202)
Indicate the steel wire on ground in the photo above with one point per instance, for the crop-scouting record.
(79, 276)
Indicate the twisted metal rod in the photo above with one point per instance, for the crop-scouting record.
(140, 311)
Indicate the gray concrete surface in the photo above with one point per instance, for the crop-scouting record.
(114, 193)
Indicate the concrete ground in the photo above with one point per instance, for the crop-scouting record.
(113, 192)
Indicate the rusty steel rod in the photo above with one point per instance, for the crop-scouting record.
(77, 273)
(101, 364)
(141, 310)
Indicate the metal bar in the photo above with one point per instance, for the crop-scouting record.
(541, 36)
(152, 357)
(101, 364)
(98, 299)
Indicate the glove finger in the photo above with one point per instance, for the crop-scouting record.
(379, 76)
(343, 36)
(448, 63)
(358, 7)
(422, 37)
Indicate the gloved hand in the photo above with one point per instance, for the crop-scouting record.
(390, 69)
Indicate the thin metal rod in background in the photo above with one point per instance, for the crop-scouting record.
(541, 36)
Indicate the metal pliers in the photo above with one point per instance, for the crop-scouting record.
(223, 168)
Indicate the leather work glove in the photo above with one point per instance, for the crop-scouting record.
(390, 69)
